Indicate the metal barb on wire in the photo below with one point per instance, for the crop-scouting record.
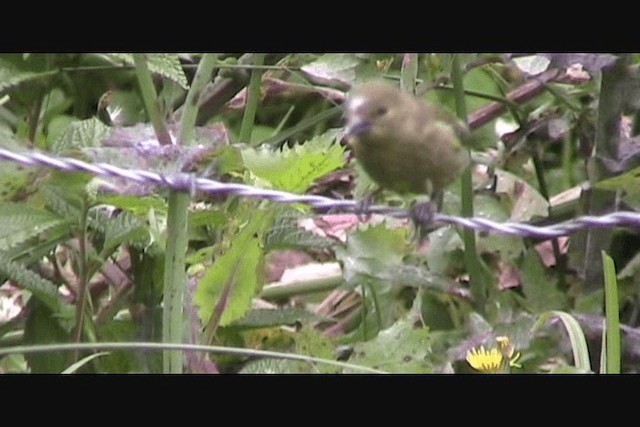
(188, 183)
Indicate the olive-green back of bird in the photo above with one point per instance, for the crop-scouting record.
(404, 144)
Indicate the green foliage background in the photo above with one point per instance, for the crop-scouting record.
(83, 258)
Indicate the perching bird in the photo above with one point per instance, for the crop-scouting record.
(404, 144)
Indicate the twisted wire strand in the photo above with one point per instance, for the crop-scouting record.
(189, 183)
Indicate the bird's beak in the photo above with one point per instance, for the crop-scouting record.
(357, 124)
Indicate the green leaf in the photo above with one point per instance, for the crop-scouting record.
(11, 76)
(576, 336)
(80, 363)
(285, 233)
(166, 65)
(311, 342)
(14, 178)
(532, 64)
(82, 134)
(121, 228)
(42, 327)
(541, 292)
(372, 251)
(238, 271)
(402, 348)
(296, 169)
(262, 318)
(124, 362)
(508, 247)
(20, 222)
(342, 68)
(629, 182)
(24, 278)
(139, 206)
(612, 333)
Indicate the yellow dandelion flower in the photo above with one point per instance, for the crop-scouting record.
(485, 360)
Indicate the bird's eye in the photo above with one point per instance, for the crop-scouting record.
(381, 111)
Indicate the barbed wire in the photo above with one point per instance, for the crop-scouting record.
(186, 182)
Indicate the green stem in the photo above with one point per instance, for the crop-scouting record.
(81, 302)
(177, 239)
(409, 72)
(119, 346)
(253, 97)
(190, 111)
(279, 292)
(174, 279)
(477, 276)
(150, 97)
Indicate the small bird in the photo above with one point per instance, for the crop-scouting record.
(404, 144)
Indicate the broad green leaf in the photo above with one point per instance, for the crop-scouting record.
(402, 348)
(238, 271)
(296, 169)
(12, 76)
(42, 327)
(311, 342)
(370, 260)
(629, 182)
(123, 362)
(540, 290)
(508, 247)
(372, 251)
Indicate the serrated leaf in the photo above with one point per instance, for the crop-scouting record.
(124, 227)
(402, 348)
(238, 271)
(20, 222)
(166, 65)
(372, 251)
(269, 366)
(81, 134)
(21, 276)
(311, 342)
(11, 76)
(285, 233)
(296, 169)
